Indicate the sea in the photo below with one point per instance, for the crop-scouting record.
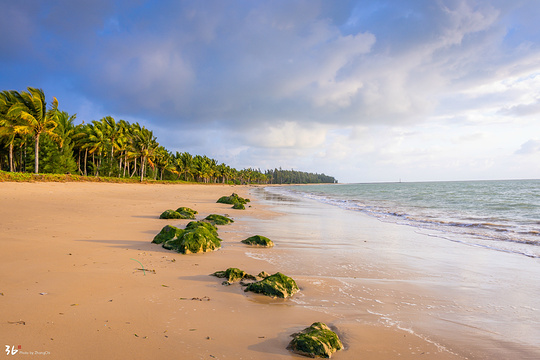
(501, 215)
(455, 263)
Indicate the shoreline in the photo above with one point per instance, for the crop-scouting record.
(477, 303)
(70, 253)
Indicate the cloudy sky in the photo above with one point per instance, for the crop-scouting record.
(363, 90)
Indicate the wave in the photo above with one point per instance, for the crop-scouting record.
(492, 232)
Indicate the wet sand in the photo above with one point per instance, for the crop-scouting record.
(71, 284)
(475, 302)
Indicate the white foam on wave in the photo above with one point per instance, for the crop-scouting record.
(515, 236)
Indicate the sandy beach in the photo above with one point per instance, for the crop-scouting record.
(72, 288)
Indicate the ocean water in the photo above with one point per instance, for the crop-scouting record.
(502, 215)
(453, 263)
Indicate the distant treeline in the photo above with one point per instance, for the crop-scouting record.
(297, 177)
(42, 139)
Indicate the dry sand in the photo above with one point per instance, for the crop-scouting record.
(71, 287)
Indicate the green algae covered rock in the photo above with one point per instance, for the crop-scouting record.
(277, 285)
(316, 341)
(172, 244)
(218, 219)
(186, 212)
(233, 275)
(170, 214)
(263, 275)
(167, 233)
(195, 224)
(198, 236)
(198, 240)
(238, 206)
(258, 240)
(235, 200)
(180, 213)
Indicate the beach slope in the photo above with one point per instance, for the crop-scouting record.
(81, 279)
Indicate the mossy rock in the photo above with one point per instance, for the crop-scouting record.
(239, 206)
(170, 214)
(233, 275)
(218, 219)
(233, 199)
(198, 240)
(258, 240)
(173, 244)
(167, 233)
(197, 237)
(186, 212)
(277, 285)
(195, 224)
(263, 275)
(316, 341)
(225, 200)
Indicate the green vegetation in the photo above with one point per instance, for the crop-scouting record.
(233, 199)
(187, 212)
(195, 224)
(258, 240)
(233, 275)
(277, 285)
(167, 233)
(218, 219)
(38, 138)
(316, 341)
(236, 201)
(180, 213)
(198, 240)
(197, 237)
(238, 206)
(279, 176)
(170, 214)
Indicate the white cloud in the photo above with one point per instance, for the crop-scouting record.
(530, 147)
(288, 134)
(367, 90)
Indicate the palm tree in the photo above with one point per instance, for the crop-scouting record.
(201, 168)
(81, 140)
(66, 132)
(34, 118)
(189, 166)
(7, 123)
(123, 142)
(184, 164)
(96, 143)
(112, 132)
(212, 164)
(65, 128)
(145, 145)
(164, 162)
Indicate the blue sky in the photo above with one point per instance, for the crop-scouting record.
(361, 90)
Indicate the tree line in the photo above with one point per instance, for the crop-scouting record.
(41, 138)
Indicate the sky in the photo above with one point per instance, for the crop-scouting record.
(365, 90)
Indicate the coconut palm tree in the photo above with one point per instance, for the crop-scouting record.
(123, 143)
(184, 164)
(7, 123)
(164, 162)
(57, 157)
(33, 117)
(112, 132)
(80, 139)
(96, 143)
(145, 146)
